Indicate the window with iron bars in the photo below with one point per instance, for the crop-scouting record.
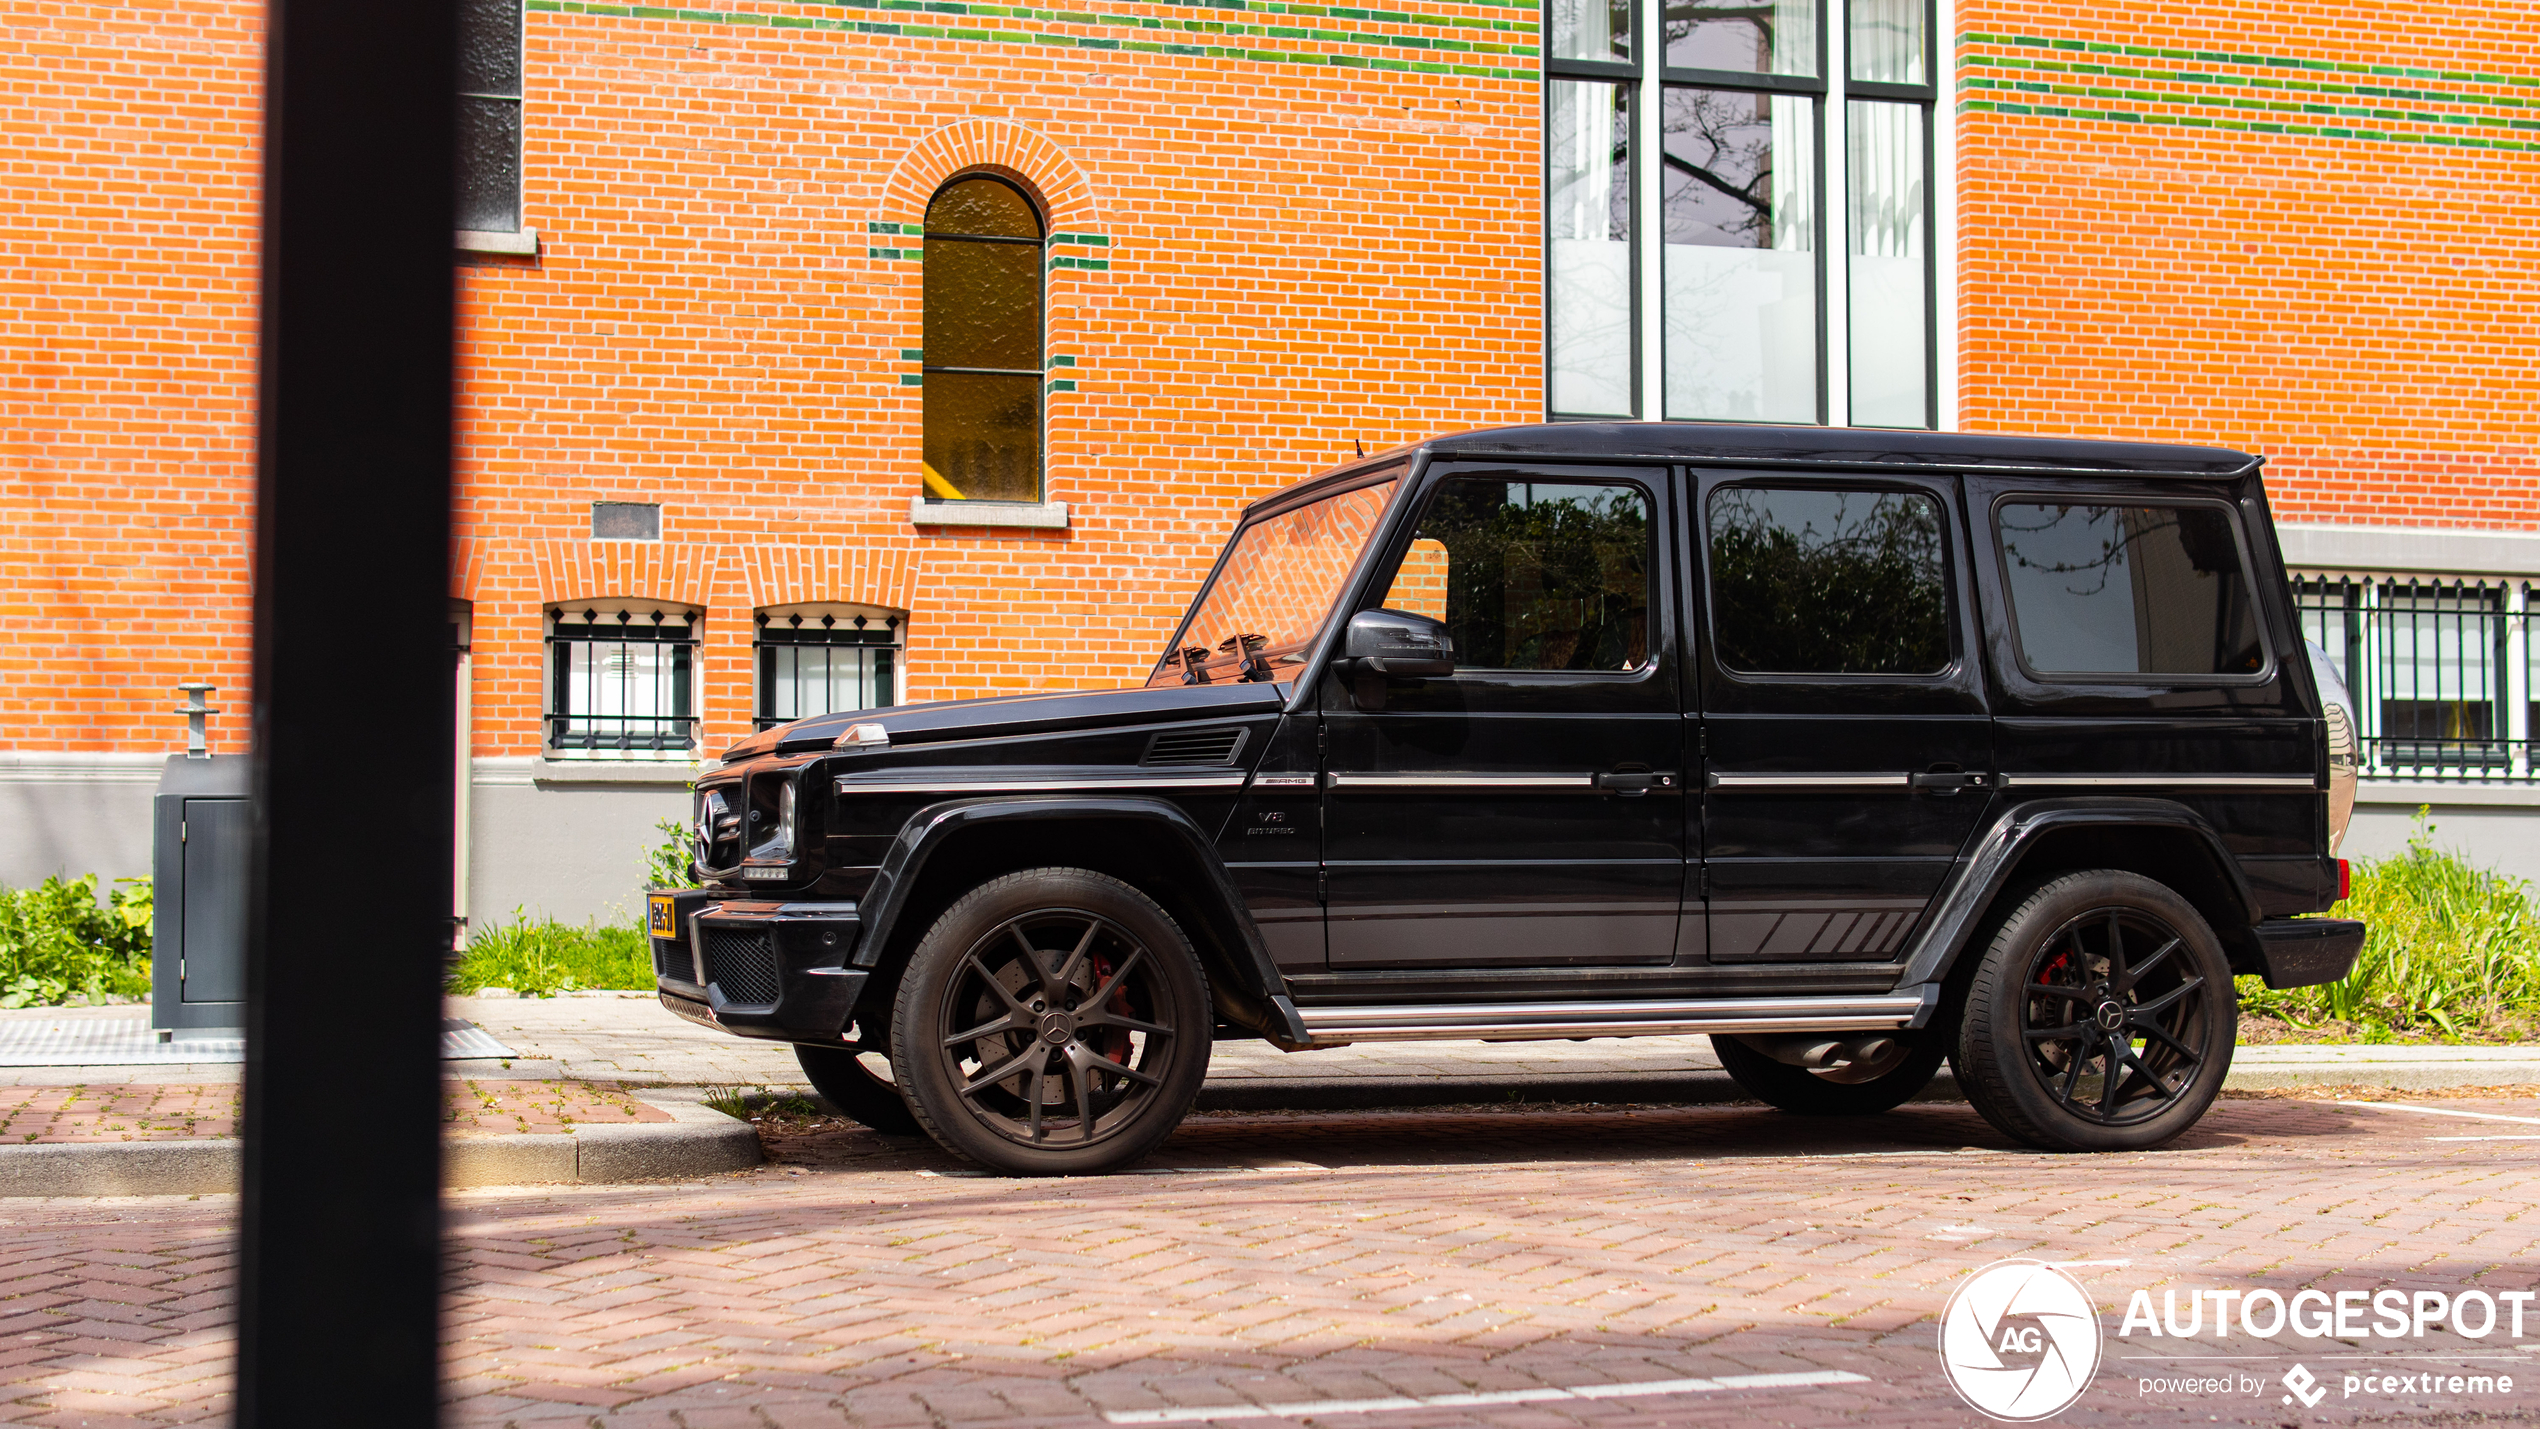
(621, 681)
(825, 659)
(2441, 671)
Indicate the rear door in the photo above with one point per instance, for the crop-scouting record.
(1848, 753)
(1527, 811)
(2134, 659)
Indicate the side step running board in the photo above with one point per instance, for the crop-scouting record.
(1522, 1021)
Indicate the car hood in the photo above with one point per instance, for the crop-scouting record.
(947, 720)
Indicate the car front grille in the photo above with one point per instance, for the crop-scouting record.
(671, 959)
(742, 962)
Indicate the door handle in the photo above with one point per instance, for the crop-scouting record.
(1632, 782)
(1945, 781)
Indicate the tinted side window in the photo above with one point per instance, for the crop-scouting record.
(1821, 582)
(2129, 590)
(1533, 575)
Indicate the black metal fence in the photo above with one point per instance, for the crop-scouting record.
(621, 684)
(2441, 672)
(815, 664)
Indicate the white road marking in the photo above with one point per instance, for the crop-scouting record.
(1504, 1396)
(2444, 1111)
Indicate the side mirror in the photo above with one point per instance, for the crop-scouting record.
(1398, 645)
(1382, 645)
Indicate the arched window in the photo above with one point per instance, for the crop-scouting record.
(984, 276)
(824, 659)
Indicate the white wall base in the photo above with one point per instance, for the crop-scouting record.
(2502, 837)
(566, 843)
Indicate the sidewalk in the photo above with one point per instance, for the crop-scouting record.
(626, 1037)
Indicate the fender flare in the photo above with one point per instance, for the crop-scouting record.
(1994, 859)
(928, 830)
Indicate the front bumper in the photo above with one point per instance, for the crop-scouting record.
(770, 970)
(2304, 952)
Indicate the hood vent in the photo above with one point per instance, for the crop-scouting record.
(1195, 746)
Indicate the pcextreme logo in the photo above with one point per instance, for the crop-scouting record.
(2019, 1341)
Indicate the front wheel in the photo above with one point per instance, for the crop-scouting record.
(1053, 1022)
(1861, 1088)
(2101, 1017)
(840, 1075)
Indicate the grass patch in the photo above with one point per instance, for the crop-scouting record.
(58, 944)
(541, 957)
(2453, 953)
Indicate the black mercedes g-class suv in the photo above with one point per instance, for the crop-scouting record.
(1854, 750)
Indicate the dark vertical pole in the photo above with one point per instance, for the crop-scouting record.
(349, 910)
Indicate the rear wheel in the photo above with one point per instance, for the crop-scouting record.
(1053, 1022)
(2101, 1018)
(842, 1077)
(1860, 1088)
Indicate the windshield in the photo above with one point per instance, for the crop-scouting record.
(1274, 591)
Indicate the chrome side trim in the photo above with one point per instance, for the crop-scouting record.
(852, 784)
(1285, 781)
(1520, 1021)
(1463, 782)
(1811, 781)
(2159, 781)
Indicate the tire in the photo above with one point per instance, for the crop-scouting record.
(2101, 1017)
(845, 1082)
(1052, 1023)
(1837, 1093)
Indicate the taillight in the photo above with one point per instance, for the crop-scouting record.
(2345, 881)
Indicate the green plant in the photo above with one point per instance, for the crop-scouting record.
(666, 863)
(542, 957)
(2452, 948)
(57, 942)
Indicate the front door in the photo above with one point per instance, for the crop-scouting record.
(1848, 751)
(1527, 811)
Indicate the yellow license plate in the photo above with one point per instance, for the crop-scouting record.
(664, 916)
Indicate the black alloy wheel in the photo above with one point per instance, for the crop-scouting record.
(847, 1081)
(1052, 1022)
(2102, 1017)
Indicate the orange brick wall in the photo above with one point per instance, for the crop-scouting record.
(128, 201)
(1299, 260)
(2355, 302)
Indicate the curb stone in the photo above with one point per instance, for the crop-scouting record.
(1702, 1088)
(697, 1141)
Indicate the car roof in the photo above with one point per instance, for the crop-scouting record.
(1804, 448)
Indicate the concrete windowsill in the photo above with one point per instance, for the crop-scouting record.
(613, 771)
(2410, 793)
(1035, 515)
(523, 244)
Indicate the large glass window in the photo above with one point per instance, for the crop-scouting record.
(2128, 590)
(982, 366)
(1814, 581)
(621, 681)
(1533, 575)
(1588, 183)
(1780, 129)
(825, 659)
(489, 115)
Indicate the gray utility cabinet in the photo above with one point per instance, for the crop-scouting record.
(198, 866)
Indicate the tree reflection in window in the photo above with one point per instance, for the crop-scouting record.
(984, 276)
(1826, 582)
(1541, 575)
(2129, 590)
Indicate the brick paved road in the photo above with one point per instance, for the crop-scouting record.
(1318, 1257)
